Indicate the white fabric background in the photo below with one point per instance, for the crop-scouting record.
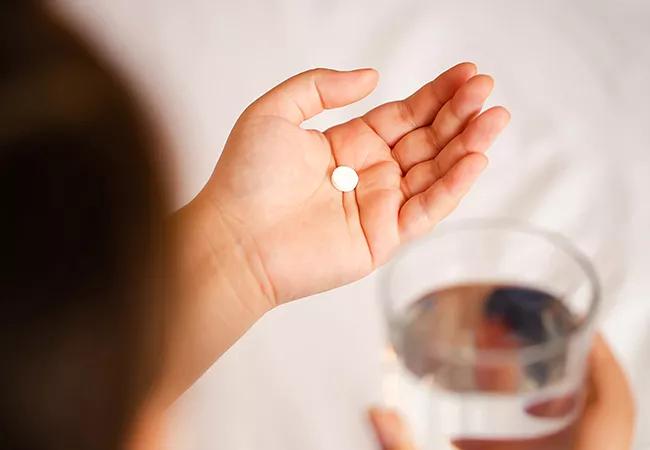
(576, 159)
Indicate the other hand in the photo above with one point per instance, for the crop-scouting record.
(606, 424)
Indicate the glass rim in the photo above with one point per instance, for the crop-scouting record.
(526, 354)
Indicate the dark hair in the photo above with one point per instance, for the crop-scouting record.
(81, 242)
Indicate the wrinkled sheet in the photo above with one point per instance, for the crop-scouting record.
(576, 159)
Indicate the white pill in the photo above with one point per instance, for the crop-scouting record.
(345, 178)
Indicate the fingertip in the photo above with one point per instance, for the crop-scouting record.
(467, 66)
(479, 160)
(483, 81)
(371, 74)
(498, 116)
(504, 113)
(601, 355)
(381, 425)
(460, 73)
(373, 412)
(367, 76)
(340, 88)
(599, 345)
(388, 428)
(367, 71)
(381, 413)
(475, 91)
(462, 175)
(470, 168)
(371, 70)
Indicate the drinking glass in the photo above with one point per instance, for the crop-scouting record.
(490, 323)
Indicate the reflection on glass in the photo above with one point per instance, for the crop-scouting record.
(489, 325)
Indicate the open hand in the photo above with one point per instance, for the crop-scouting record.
(416, 158)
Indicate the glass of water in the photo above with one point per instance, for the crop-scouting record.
(490, 324)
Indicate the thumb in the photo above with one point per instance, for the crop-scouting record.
(391, 431)
(307, 94)
(608, 420)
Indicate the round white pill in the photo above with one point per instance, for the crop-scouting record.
(345, 178)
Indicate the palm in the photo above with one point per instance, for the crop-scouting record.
(273, 181)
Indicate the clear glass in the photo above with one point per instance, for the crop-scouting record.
(445, 370)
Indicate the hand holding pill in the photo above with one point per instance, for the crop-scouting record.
(353, 194)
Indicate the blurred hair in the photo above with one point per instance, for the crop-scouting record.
(81, 242)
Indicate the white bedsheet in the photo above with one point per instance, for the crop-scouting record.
(576, 76)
